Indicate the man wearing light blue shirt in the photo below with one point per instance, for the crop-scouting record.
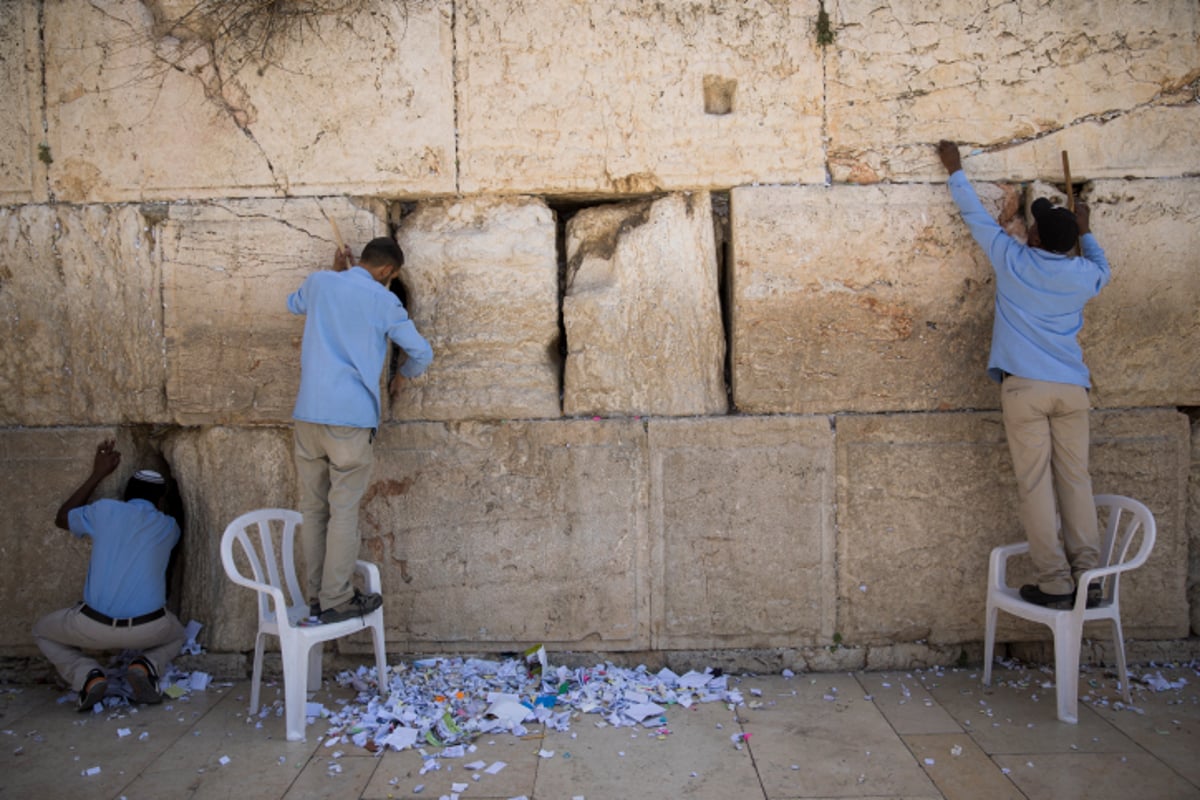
(1041, 290)
(350, 316)
(124, 597)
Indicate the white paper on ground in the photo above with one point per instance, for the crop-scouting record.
(401, 738)
(640, 711)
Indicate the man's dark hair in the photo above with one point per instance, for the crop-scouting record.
(144, 490)
(1056, 226)
(382, 251)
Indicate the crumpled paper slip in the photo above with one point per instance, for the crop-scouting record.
(452, 701)
(191, 646)
(1160, 684)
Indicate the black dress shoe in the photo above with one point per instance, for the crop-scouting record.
(1030, 593)
(95, 686)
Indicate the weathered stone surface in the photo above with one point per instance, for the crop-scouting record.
(482, 278)
(631, 97)
(140, 109)
(1193, 529)
(922, 500)
(81, 316)
(1155, 141)
(860, 299)
(904, 75)
(233, 349)
(22, 175)
(495, 535)
(223, 473)
(742, 520)
(642, 310)
(43, 568)
(1141, 339)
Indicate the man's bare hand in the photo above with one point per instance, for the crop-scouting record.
(1083, 217)
(343, 259)
(948, 153)
(107, 459)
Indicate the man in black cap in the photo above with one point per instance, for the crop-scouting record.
(1041, 289)
(125, 594)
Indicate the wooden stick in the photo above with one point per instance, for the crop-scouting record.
(337, 235)
(1070, 192)
(1067, 177)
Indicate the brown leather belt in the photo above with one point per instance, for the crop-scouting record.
(127, 622)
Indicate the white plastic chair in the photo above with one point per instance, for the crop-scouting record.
(1126, 517)
(300, 646)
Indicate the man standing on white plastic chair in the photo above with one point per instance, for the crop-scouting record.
(350, 317)
(1041, 289)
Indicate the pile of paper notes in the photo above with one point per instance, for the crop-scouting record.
(445, 702)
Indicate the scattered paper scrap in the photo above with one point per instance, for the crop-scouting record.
(190, 647)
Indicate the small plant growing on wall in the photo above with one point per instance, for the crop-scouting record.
(242, 32)
(824, 28)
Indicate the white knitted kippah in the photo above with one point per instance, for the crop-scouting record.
(148, 476)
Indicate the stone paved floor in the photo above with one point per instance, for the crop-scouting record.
(919, 734)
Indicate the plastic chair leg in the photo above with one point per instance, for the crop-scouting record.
(1122, 669)
(1066, 671)
(295, 692)
(256, 676)
(989, 644)
(380, 660)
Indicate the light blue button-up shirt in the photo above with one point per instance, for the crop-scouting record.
(1039, 297)
(349, 318)
(131, 544)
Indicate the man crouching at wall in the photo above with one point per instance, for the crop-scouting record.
(125, 595)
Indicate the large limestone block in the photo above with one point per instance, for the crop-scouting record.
(22, 173)
(233, 349)
(1151, 142)
(496, 535)
(43, 568)
(482, 276)
(1193, 529)
(742, 516)
(634, 97)
(223, 473)
(1141, 339)
(905, 74)
(642, 310)
(138, 108)
(923, 499)
(860, 299)
(81, 316)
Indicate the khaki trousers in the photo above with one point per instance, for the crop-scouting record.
(62, 635)
(1047, 429)
(333, 466)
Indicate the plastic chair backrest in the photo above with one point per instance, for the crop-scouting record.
(256, 532)
(1127, 518)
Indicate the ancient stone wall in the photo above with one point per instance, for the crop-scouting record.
(709, 334)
